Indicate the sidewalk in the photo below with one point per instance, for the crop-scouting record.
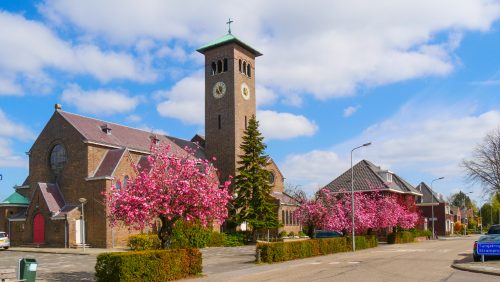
(488, 267)
(88, 251)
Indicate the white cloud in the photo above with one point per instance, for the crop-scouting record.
(9, 131)
(153, 130)
(331, 54)
(99, 102)
(265, 96)
(134, 118)
(14, 130)
(419, 141)
(349, 111)
(185, 101)
(28, 48)
(276, 125)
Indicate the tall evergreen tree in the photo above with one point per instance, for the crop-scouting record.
(254, 203)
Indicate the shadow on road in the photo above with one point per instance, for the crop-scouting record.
(464, 258)
(68, 276)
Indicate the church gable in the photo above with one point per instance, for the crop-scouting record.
(276, 178)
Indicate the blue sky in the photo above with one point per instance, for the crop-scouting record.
(419, 80)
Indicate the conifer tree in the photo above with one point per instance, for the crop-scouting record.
(254, 203)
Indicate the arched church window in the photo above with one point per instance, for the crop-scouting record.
(214, 68)
(287, 218)
(57, 158)
(271, 177)
(249, 70)
(118, 185)
(219, 66)
(239, 63)
(225, 65)
(283, 217)
(244, 67)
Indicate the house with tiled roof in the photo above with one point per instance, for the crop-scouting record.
(431, 202)
(369, 178)
(76, 159)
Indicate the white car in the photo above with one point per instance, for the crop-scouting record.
(4, 240)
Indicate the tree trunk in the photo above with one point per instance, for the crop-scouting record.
(165, 232)
(310, 231)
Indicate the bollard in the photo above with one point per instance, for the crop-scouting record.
(257, 256)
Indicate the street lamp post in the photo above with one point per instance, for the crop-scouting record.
(432, 206)
(352, 197)
(83, 201)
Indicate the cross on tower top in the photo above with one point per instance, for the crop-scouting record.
(229, 24)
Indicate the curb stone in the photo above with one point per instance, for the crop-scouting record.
(478, 268)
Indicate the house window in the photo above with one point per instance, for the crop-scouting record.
(389, 177)
(283, 217)
(287, 218)
(125, 181)
(57, 158)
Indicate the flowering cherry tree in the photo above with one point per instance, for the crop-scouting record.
(373, 210)
(171, 187)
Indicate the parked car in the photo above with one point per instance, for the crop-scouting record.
(4, 240)
(327, 234)
(493, 235)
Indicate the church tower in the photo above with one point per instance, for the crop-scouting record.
(229, 99)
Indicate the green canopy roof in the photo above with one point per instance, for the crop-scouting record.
(228, 38)
(15, 199)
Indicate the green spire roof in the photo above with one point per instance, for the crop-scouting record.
(228, 38)
(15, 199)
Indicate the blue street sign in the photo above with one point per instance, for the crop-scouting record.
(488, 249)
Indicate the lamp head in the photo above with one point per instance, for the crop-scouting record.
(367, 144)
(82, 200)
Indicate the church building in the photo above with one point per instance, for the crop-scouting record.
(76, 159)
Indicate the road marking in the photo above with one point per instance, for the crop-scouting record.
(353, 262)
(334, 262)
(315, 262)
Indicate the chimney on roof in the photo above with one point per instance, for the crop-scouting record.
(154, 139)
(106, 129)
(58, 107)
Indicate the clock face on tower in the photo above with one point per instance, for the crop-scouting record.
(245, 91)
(219, 90)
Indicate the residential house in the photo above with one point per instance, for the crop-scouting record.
(431, 202)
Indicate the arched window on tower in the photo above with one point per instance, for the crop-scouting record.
(249, 70)
(214, 68)
(244, 67)
(225, 65)
(239, 63)
(219, 66)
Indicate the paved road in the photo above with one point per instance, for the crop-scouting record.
(426, 261)
(54, 267)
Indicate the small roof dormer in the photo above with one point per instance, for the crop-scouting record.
(106, 129)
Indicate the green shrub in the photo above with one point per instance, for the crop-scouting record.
(400, 237)
(142, 242)
(156, 265)
(282, 234)
(234, 239)
(423, 233)
(216, 239)
(302, 234)
(283, 251)
(189, 235)
(291, 234)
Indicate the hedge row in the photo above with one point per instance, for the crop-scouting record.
(157, 265)
(400, 237)
(141, 242)
(283, 251)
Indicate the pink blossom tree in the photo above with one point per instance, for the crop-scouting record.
(175, 185)
(373, 210)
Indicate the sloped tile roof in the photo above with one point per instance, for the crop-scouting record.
(52, 196)
(226, 39)
(426, 194)
(368, 177)
(284, 198)
(109, 163)
(198, 150)
(121, 136)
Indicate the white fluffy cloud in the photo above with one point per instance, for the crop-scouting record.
(330, 54)
(28, 48)
(185, 101)
(99, 102)
(275, 125)
(10, 131)
(349, 111)
(418, 140)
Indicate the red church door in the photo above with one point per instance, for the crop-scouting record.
(38, 229)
